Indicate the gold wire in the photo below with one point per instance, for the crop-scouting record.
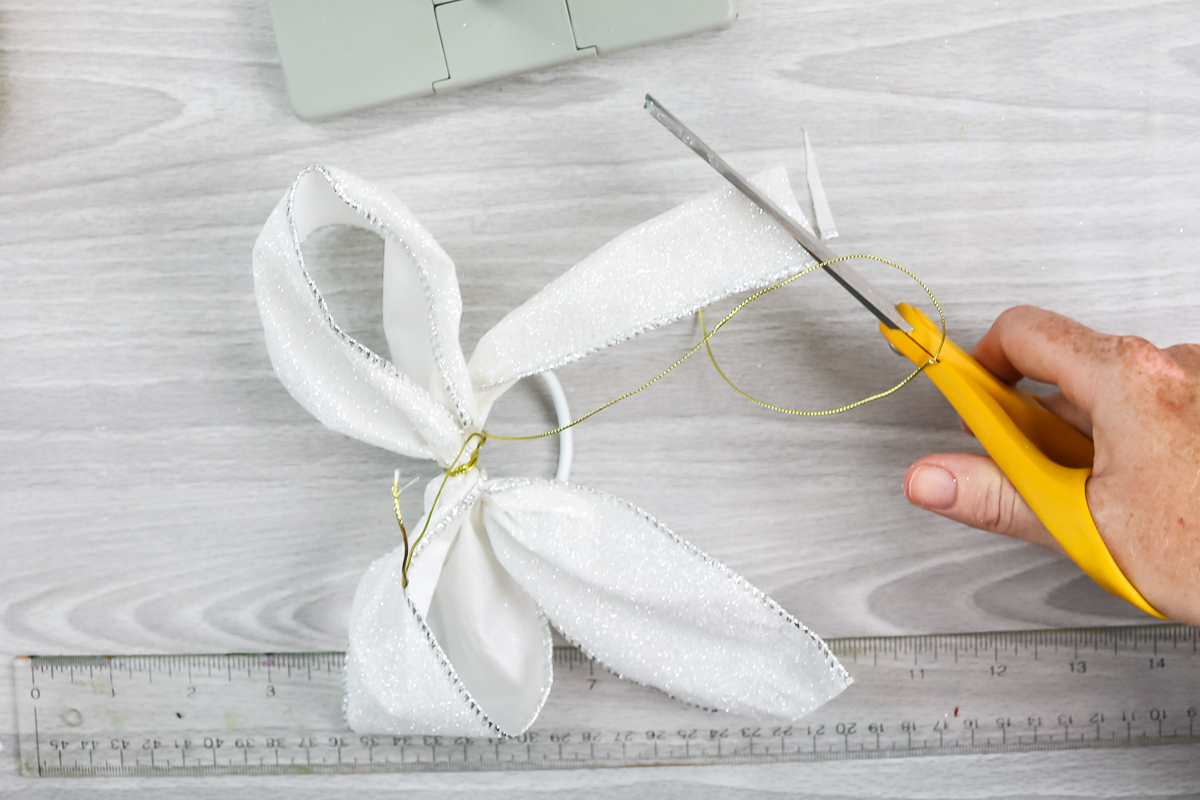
(403, 530)
(452, 471)
(709, 334)
(455, 469)
(933, 359)
(609, 404)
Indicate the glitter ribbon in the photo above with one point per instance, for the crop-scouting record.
(465, 648)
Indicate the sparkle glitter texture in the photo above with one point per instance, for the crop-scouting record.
(337, 379)
(466, 649)
(652, 607)
(651, 275)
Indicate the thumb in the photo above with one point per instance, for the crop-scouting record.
(972, 490)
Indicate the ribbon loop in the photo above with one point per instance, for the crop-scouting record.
(420, 403)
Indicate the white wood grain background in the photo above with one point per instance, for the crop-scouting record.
(160, 492)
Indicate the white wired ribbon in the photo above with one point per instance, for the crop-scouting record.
(466, 648)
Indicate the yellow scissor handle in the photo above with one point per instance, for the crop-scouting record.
(1047, 460)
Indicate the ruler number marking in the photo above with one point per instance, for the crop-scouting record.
(238, 715)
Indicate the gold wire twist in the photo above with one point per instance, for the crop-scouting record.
(455, 469)
(400, 522)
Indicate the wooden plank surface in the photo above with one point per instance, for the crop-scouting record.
(161, 492)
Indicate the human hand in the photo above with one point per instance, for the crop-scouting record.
(1141, 407)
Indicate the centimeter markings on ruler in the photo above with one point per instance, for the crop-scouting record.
(913, 696)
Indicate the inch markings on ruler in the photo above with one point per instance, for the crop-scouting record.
(281, 713)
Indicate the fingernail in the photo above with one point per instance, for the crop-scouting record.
(932, 487)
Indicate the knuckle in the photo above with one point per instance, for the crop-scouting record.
(1145, 360)
(1138, 351)
(998, 510)
(1134, 347)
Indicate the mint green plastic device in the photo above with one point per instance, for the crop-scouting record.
(344, 55)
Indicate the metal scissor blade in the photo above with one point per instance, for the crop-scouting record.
(862, 289)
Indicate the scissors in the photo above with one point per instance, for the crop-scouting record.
(1047, 460)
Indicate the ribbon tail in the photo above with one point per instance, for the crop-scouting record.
(465, 651)
(652, 607)
(653, 274)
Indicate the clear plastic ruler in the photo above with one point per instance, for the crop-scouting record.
(281, 713)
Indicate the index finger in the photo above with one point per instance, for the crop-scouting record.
(1031, 342)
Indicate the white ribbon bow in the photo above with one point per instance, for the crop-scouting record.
(466, 649)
